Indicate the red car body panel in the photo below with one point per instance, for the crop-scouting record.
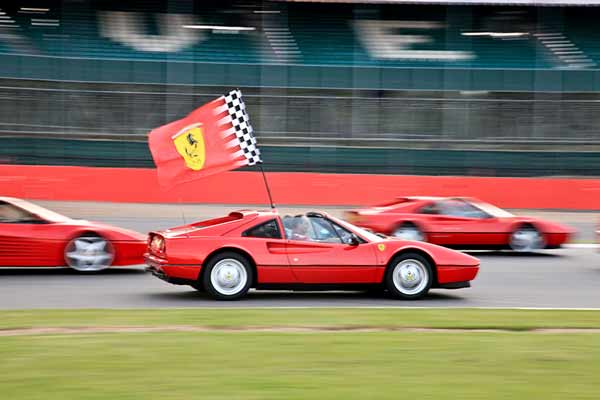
(455, 231)
(285, 261)
(42, 243)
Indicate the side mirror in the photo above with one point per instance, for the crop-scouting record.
(353, 240)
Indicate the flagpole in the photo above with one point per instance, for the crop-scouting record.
(266, 185)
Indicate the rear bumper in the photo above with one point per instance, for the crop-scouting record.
(451, 274)
(175, 274)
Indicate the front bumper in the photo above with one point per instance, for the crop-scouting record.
(557, 239)
(175, 274)
(455, 285)
(448, 274)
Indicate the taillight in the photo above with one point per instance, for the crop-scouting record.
(157, 244)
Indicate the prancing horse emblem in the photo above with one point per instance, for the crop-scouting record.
(189, 143)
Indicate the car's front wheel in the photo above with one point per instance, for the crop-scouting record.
(409, 276)
(89, 252)
(526, 238)
(228, 276)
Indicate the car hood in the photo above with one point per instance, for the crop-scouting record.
(110, 231)
(544, 225)
(440, 255)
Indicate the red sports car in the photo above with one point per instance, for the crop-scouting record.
(227, 256)
(32, 236)
(460, 223)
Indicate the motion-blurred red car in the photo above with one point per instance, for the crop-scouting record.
(227, 256)
(32, 236)
(465, 223)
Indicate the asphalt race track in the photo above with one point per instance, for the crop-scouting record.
(564, 278)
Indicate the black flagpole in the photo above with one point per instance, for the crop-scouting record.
(266, 185)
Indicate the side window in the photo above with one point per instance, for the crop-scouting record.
(9, 214)
(315, 229)
(269, 230)
(459, 208)
(430, 209)
(299, 228)
(311, 229)
(324, 231)
(288, 225)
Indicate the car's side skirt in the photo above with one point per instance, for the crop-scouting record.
(315, 287)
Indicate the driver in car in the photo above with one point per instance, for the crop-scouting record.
(300, 229)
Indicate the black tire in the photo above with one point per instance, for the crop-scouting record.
(414, 265)
(199, 287)
(526, 238)
(89, 253)
(239, 265)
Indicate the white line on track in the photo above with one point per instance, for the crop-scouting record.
(581, 246)
(398, 307)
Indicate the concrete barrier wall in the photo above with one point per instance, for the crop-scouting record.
(246, 187)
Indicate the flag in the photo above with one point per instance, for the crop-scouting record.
(214, 138)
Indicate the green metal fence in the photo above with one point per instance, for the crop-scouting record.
(298, 76)
(99, 153)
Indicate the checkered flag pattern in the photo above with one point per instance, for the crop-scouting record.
(244, 134)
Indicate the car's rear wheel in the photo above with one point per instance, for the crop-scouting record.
(409, 276)
(408, 231)
(228, 276)
(89, 253)
(526, 238)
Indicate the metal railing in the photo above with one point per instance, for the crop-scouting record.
(309, 116)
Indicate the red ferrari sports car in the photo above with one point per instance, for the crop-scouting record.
(227, 256)
(460, 223)
(32, 236)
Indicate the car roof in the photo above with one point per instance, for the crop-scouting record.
(421, 198)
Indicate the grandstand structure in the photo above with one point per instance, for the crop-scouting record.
(398, 88)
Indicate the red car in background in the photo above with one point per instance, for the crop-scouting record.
(32, 236)
(253, 249)
(460, 223)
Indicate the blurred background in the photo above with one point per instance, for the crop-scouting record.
(390, 87)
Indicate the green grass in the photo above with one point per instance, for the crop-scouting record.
(384, 317)
(248, 365)
(293, 365)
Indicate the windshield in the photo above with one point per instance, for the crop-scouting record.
(41, 212)
(491, 209)
(371, 237)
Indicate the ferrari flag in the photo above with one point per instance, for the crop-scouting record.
(213, 138)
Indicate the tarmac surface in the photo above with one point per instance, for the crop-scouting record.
(563, 278)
